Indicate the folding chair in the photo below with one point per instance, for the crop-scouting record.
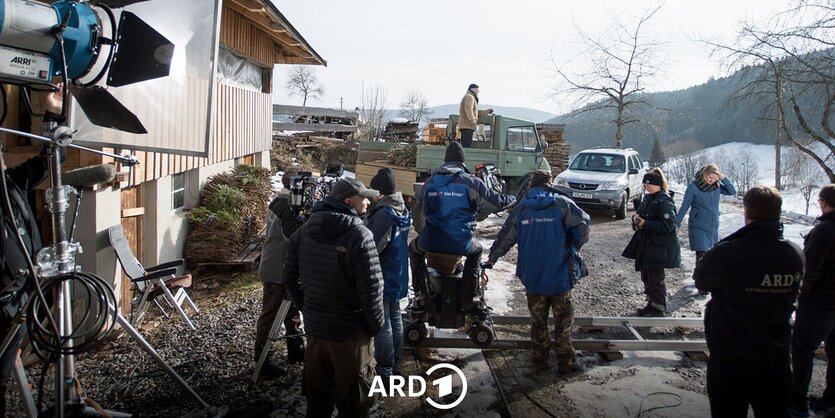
(153, 283)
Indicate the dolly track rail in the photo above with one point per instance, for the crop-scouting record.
(630, 323)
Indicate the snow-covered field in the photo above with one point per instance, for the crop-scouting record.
(797, 222)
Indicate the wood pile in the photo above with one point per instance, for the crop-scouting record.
(558, 149)
(230, 215)
(435, 131)
(402, 131)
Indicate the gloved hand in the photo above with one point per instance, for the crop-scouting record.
(487, 265)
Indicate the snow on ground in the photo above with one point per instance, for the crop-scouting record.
(630, 387)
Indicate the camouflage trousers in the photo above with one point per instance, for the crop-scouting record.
(563, 309)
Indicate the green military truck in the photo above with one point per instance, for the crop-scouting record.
(511, 145)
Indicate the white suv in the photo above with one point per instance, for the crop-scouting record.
(604, 177)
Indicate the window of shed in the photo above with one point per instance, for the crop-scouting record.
(178, 191)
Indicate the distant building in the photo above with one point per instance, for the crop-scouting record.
(321, 121)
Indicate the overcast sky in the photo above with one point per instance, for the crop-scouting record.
(440, 47)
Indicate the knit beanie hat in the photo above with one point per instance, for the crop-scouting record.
(454, 153)
(652, 178)
(472, 86)
(384, 181)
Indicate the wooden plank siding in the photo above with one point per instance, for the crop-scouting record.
(242, 36)
(242, 126)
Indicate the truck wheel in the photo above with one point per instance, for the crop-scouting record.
(415, 333)
(518, 186)
(620, 212)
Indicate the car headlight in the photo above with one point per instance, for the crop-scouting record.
(612, 186)
(561, 182)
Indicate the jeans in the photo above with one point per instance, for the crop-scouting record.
(812, 325)
(388, 343)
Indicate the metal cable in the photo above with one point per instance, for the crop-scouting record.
(97, 322)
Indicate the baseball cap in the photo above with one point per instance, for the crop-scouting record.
(346, 188)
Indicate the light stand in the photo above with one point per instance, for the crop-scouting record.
(59, 259)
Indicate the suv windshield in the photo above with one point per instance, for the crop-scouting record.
(606, 163)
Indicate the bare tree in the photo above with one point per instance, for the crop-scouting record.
(743, 169)
(793, 53)
(415, 107)
(303, 82)
(373, 106)
(620, 64)
(804, 174)
(686, 157)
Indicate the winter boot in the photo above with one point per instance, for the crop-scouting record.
(650, 311)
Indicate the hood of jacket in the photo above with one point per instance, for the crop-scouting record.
(394, 201)
(539, 198)
(330, 219)
(447, 171)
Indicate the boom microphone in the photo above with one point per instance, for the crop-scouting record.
(89, 176)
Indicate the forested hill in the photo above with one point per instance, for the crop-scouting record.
(702, 113)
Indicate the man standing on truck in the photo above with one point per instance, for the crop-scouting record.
(468, 115)
(445, 219)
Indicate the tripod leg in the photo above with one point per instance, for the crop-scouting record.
(25, 390)
(274, 331)
(154, 355)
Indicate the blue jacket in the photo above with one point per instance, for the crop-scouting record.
(390, 222)
(703, 223)
(549, 228)
(447, 205)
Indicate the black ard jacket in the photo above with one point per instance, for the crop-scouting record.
(753, 276)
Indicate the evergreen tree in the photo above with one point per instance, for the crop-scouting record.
(656, 156)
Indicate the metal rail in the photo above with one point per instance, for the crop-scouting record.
(609, 321)
(630, 323)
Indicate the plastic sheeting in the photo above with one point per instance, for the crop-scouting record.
(237, 71)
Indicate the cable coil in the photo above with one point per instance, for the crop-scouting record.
(98, 320)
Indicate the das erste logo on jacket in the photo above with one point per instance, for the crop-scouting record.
(444, 194)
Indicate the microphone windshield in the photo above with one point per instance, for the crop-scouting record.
(89, 176)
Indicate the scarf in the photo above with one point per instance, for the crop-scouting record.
(703, 185)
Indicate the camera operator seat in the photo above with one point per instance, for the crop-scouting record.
(443, 308)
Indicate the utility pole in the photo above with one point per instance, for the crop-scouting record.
(340, 103)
